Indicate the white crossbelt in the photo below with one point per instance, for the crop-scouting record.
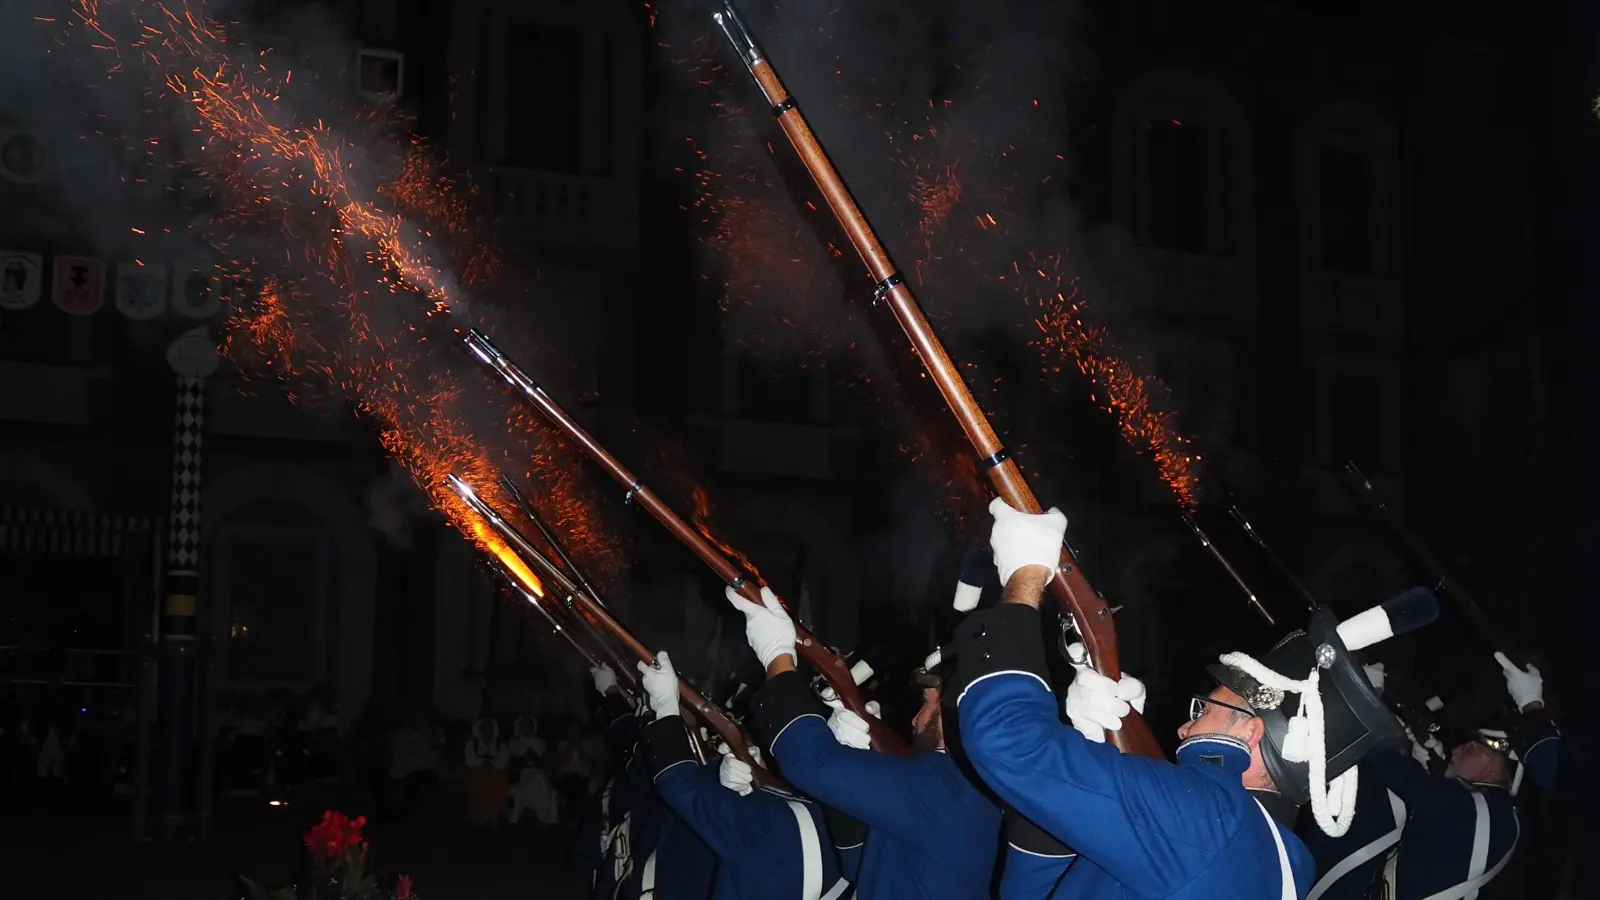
(1477, 877)
(1289, 893)
(1369, 852)
(810, 852)
(647, 881)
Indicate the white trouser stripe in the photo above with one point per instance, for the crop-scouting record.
(810, 852)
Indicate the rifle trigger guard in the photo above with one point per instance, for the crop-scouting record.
(885, 286)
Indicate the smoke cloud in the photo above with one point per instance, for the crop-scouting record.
(233, 134)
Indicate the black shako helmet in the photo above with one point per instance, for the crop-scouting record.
(1349, 715)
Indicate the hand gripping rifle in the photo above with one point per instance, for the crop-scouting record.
(831, 666)
(580, 603)
(1087, 608)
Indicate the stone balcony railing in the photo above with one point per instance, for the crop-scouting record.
(569, 209)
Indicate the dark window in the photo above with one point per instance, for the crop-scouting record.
(1178, 186)
(42, 333)
(1355, 420)
(272, 593)
(774, 393)
(544, 98)
(1345, 187)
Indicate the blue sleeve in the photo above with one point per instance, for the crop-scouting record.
(1541, 748)
(883, 791)
(1542, 763)
(1029, 876)
(1410, 782)
(1150, 824)
(886, 792)
(731, 825)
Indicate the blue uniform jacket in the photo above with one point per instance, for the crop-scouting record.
(1144, 828)
(1436, 851)
(760, 848)
(595, 846)
(930, 832)
(1376, 813)
(1373, 826)
(683, 865)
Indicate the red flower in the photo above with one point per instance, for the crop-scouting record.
(335, 836)
(402, 888)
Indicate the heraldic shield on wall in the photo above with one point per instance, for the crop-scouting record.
(78, 285)
(21, 279)
(141, 290)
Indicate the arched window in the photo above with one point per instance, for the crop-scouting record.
(1346, 185)
(546, 98)
(289, 573)
(1183, 194)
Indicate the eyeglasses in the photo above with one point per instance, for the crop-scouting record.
(1197, 706)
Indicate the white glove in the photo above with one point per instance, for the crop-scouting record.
(767, 627)
(1524, 687)
(660, 683)
(604, 678)
(735, 774)
(1436, 746)
(832, 701)
(1021, 539)
(1375, 675)
(850, 729)
(1095, 704)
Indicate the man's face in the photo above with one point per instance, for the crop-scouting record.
(1473, 761)
(927, 727)
(1217, 718)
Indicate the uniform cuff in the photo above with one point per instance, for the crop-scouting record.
(781, 700)
(848, 832)
(1004, 638)
(1023, 835)
(1535, 727)
(665, 744)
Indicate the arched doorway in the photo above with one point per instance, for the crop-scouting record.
(289, 565)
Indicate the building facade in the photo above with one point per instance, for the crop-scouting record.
(1302, 227)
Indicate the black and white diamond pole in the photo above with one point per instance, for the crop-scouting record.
(193, 358)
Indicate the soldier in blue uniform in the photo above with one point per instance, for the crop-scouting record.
(931, 833)
(1433, 843)
(1463, 828)
(1216, 824)
(768, 843)
(601, 845)
(643, 851)
(1350, 867)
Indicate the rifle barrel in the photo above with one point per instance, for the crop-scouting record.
(1216, 554)
(1071, 589)
(529, 554)
(829, 664)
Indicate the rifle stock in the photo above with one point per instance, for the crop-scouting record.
(1087, 608)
